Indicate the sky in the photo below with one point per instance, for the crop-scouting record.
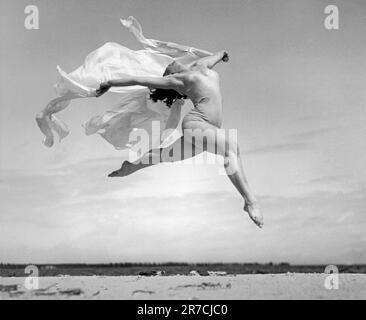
(294, 90)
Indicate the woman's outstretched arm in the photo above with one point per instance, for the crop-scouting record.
(211, 61)
(167, 82)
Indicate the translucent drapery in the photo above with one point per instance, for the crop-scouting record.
(134, 110)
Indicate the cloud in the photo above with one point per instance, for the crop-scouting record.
(312, 133)
(333, 183)
(345, 216)
(328, 179)
(301, 143)
(93, 219)
(321, 116)
(276, 148)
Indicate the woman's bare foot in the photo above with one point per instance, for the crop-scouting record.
(126, 169)
(254, 213)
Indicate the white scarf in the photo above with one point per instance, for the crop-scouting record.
(135, 110)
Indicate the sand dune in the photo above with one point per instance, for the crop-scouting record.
(268, 286)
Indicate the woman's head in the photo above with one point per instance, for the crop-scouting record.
(168, 96)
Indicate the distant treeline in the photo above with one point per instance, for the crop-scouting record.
(138, 264)
(167, 268)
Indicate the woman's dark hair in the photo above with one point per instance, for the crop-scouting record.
(168, 96)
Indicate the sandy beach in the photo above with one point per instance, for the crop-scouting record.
(269, 286)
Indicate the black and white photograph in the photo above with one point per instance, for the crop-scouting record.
(183, 150)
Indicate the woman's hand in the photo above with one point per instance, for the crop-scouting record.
(225, 57)
(104, 87)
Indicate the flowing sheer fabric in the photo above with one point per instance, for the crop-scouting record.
(134, 111)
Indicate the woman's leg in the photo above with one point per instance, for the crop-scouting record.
(199, 136)
(215, 140)
(178, 151)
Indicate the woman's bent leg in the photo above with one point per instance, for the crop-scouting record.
(178, 151)
(216, 141)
